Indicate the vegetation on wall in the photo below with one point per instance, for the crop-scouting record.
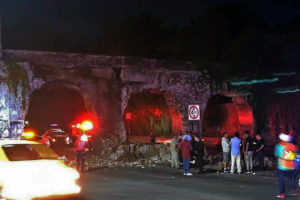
(148, 114)
(17, 76)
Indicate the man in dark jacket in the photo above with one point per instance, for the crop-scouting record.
(186, 148)
(198, 149)
(260, 145)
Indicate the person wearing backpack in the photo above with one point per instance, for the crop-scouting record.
(248, 151)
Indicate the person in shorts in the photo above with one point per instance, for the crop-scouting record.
(226, 151)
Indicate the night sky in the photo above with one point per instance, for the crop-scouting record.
(80, 19)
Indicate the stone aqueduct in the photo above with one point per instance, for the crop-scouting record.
(107, 82)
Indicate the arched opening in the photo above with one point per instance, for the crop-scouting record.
(54, 104)
(225, 114)
(148, 113)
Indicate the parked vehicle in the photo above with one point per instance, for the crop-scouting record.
(57, 137)
(31, 170)
(298, 171)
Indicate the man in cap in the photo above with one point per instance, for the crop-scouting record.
(286, 153)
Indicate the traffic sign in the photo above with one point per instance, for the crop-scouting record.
(194, 112)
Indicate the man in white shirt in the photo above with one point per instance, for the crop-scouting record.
(226, 151)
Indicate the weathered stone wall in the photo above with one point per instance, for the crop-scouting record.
(106, 83)
(0, 41)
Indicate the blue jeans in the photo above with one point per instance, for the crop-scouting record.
(291, 174)
(186, 165)
(260, 158)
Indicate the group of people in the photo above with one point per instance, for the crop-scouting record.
(183, 148)
(285, 151)
(245, 148)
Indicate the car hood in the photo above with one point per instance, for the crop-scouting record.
(37, 178)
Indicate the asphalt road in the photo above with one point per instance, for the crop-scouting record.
(164, 183)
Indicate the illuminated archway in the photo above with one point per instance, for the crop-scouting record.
(226, 114)
(147, 113)
(54, 104)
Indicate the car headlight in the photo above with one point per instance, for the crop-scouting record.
(74, 174)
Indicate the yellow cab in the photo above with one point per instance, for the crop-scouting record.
(31, 170)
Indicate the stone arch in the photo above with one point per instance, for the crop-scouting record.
(68, 85)
(227, 113)
(173, 108)
(88, 104)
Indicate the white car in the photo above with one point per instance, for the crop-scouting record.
(30, 170)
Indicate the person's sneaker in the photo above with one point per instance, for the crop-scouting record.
(189, 174)
(251, 172)
(184, 174)
(248, 172)
(280, 196)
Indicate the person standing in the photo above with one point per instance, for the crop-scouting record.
(260, 145)
(81, 145)
(236, 153)
(180, 140)
(186, 148)
(152, 138)
(248, 151)
(174, 152)
(226, 151)
(286, 153)
(198, 148)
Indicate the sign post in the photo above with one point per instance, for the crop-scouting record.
(193, 114)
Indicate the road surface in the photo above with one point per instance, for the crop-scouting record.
(163, 183)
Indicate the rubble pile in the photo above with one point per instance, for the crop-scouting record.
(130, 154)
(114, 153)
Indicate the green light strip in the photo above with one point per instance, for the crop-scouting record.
(255, 81)
(288, 91)
(284, 74)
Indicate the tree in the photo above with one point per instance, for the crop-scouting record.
(140, 35)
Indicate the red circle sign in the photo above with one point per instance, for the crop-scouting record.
(194, 112)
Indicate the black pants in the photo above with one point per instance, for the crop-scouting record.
(199, 162)
(260, 158)
(80, 159)
(291, 174)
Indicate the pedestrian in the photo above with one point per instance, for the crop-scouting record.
(198, 149)
(248, 151)
(81, 146)
(260, 146)
(181, 134)
(186, 148)
(286, 153)
(236, 153)
(174, 152)
(226, 151)
(152, 138)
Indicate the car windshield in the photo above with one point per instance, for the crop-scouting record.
(53, 134)
(21, 152)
